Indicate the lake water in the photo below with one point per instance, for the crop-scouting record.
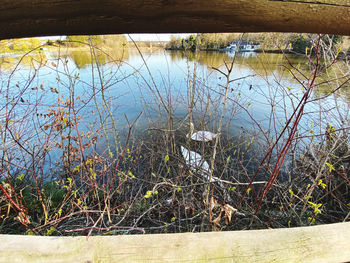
(64, 119)
(262, 93)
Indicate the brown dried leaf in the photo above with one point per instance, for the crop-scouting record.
(213, 204)
(228, 210)
(216, 221)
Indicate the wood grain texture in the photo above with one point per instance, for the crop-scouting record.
(326, 243)
(25, 18)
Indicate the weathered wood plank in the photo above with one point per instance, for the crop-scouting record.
(24, 18)
(326, 243)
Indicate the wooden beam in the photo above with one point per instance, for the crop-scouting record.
(26, 18)
(325, 243)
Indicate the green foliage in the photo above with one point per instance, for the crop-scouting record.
(202, 41)
(20, 177)
(276, 41)
(52, 192)
(330, 166)
(333, 41)
(300, 42)
(50, 231)
(191, 43)
(174, 43)
(115, 41)
(291, 193)
(166, 158)
(19, 44)
(121, 186)
(78, 41)
(273, 41)
(316, 207)
(216, 41)
(150, 193)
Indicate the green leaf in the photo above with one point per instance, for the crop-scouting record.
(77, 168)
(291, 193)
(320, 183)
(20, 177)
(331, 167)
(131, 175)
(311, 220)
(74, 192)
(93, 173)
(148, 194)
(166, 158)
(338, 51)
(69, 181)
(50, 231)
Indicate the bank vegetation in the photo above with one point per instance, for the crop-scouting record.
(64, 174)
(273, 42)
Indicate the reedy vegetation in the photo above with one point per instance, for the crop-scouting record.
(101, 183)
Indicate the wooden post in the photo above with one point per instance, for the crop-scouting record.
(325, 243)
(26, 18)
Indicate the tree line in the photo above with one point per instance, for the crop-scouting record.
(269, 42)
(111, 41)
(27, 44)
(19, 44)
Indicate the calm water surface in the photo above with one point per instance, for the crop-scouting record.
(262, 87)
